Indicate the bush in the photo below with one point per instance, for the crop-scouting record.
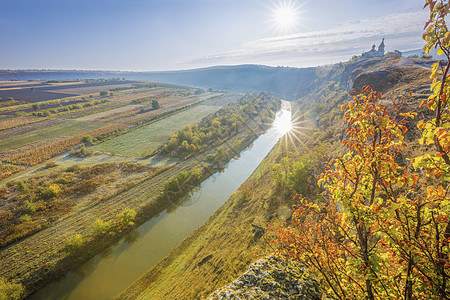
(4, 192)
(73, 243)
(9, 290)
(28, 207)
(21, 186)
(62, 180)
(25, 218)
(100, 227)
(73, 168)
(87, 140)
(51, 164)
(48, 192)
(155, 104)
(126, 217)
(82, 152)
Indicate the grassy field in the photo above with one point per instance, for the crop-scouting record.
(68, 129)
(151, 136)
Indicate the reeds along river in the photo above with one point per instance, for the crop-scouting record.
(110, 272)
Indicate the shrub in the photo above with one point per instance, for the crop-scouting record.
(155, 104)
(9, 290)
(21, 186)
(101, 227)
(87, 140)
(73, 169)
(25, 218)
(51, 164)
(4, 192)
(73, 243)
(126, 217)
(62, 180)
(48, 192)
(28, 207)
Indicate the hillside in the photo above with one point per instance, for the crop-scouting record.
(282, 82)
(228, 242)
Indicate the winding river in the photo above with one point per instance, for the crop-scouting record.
(110, 272)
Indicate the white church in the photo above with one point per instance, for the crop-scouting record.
(374, 52)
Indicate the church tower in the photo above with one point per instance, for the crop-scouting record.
(381, 48)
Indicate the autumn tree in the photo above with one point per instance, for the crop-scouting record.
(341, 239)
(434, 245)
(379, 234)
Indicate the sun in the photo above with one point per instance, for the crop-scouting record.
(285, 16)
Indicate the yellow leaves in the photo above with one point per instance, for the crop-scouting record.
(434, 70)
(446, 39)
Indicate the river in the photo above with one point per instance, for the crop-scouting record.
(113, 270)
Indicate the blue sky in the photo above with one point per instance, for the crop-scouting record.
(149, 35)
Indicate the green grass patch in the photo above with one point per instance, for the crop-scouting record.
(64, 130)
(148, 138)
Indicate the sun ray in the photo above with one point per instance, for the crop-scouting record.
(285, 16)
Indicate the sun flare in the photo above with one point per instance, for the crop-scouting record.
(283, 125)
(285, 16)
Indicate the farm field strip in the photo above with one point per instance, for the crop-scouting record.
(4, 156)
(49, 91)
(142, 117)
(91, 90)
(101, 115)
(130, 95)
(69, 129)
(151, 136)
(10, 123)
(28, 128)
(4, 84)
(38, 155)
(191, 99)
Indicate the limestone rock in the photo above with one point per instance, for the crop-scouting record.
(271, 278)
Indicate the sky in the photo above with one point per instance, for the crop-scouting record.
(157, 35)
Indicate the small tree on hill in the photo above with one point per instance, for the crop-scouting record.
(155, 104)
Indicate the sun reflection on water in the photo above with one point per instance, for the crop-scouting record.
(283, 125)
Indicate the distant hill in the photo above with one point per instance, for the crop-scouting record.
(282, 82)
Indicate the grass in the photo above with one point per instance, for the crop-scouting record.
(64, 130)
(149, 137)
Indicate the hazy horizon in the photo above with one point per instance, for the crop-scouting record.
(159, 35)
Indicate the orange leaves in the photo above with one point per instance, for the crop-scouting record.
(420, 124)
